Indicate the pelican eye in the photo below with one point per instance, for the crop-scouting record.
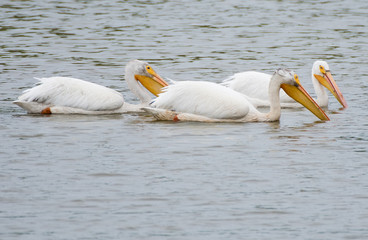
(296, 78)
(150, 70)
(322, 69)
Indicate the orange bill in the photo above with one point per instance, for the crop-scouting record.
(299, 94)
(153, 84)
(327, 81)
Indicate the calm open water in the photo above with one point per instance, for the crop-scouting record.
(131, 177)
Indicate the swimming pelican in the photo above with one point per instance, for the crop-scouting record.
(66, 95)
(255, 86)
(211, 102)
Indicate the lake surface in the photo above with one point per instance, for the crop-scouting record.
(131, 177)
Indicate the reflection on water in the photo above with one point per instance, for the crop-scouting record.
(131, 177)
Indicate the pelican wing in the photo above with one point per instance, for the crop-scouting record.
(252, 84)
(203, 98)
(255, 86)
(74, 93)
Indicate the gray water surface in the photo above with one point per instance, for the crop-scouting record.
(131, 177)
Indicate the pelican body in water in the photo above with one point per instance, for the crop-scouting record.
(255, 86)
(64, 95)
(211, 102)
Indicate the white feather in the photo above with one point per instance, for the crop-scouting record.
(255, 86)
(70, 95)
(210, 102)
(74, 93)
(203, 98)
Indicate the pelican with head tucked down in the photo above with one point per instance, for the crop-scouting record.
(255, 86)
(66, 95)
(210, 102)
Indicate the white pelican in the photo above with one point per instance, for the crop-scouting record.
(66, 95)
(211, 102)
(255, 86)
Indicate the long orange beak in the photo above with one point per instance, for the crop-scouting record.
(328, 82)
(299, 94)
(153, 84)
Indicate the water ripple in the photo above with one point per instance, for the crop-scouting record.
(131, 177)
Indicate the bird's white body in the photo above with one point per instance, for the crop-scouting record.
(204, 98)
(210, 102)
(255, 86)
(65, 95)
(72, 94)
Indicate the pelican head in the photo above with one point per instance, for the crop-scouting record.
(291, 85)
(136, 72)
(321, 71)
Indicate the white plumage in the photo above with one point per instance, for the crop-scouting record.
(255, 86)
(203, 98)
(210, 102)
(71, 95)
(74, 93)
